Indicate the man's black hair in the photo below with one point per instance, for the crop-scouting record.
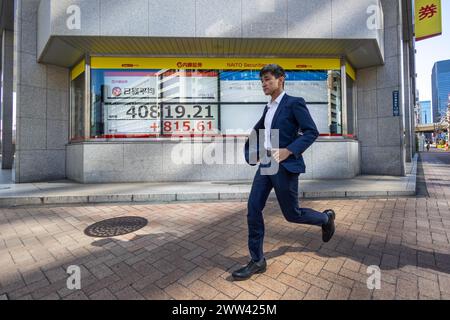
(274, 69)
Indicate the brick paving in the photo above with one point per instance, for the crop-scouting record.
(188, 249)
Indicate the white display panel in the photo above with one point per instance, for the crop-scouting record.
(190, 118)
(250, 91)
(190, 86)
(123, 86)
(183, 102)
(130, 102)
(319, 113)
(236, 89)
(240, 119)
(313, 91)
(132, 118)
(239, 88)
(190, 102)
(133, 101)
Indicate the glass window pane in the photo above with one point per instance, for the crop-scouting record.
(320, 115)
(242, 101)
(190, 102)
(350, 107)
(125, 103)
(77, 107)
(310, 85)
(242, 95)
(151, 103)
(240, 118)
(334, 102)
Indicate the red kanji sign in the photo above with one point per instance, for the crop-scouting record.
(427, 19)
(427, 11)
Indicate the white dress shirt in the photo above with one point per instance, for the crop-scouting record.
(273, 106)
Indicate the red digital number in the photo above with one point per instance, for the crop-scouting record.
(201, 126)
(186, 126)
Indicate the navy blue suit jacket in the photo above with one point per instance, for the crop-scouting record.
(297, 132)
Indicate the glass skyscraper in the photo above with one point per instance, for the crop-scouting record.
(440, 83)
(425, 112)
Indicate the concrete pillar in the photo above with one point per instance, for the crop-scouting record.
(42, 104)
(7, 98)
(408, 103)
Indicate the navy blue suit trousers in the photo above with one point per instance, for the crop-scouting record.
(285, 184)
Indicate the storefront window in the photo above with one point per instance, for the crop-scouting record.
(166, 102)
(149, 103)
(77, 108)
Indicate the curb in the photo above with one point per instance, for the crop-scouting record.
(213, 196)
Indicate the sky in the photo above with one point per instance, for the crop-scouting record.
(431, 50)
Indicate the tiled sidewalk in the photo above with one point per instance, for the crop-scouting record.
(188, 250)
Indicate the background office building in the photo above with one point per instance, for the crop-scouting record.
(425, 116)
(440, 85)
(108, 90)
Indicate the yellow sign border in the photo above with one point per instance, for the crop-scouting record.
(199, 63)
(350, 71)
(213, 63)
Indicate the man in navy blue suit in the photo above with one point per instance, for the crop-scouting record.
(288, 119)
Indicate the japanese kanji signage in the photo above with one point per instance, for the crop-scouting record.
(396, 103)
(427, 19)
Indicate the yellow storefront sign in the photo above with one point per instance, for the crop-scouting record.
(428, 19)
(218, 63)
(211, 63)
(78, 69)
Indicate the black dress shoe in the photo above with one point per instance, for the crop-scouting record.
(252, 268)
(328, 228)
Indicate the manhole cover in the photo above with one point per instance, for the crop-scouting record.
(115, 227)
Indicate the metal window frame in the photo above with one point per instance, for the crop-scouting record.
(87, 100)
(344, 97)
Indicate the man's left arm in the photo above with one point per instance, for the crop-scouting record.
(252, 155)
(307, 127)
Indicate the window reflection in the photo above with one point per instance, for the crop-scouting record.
(77, 107)
(165, 102)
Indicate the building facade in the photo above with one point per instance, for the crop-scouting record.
(425, 116)
(440, 85)
(149, 90)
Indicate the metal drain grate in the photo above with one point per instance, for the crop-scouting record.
(115, 227)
